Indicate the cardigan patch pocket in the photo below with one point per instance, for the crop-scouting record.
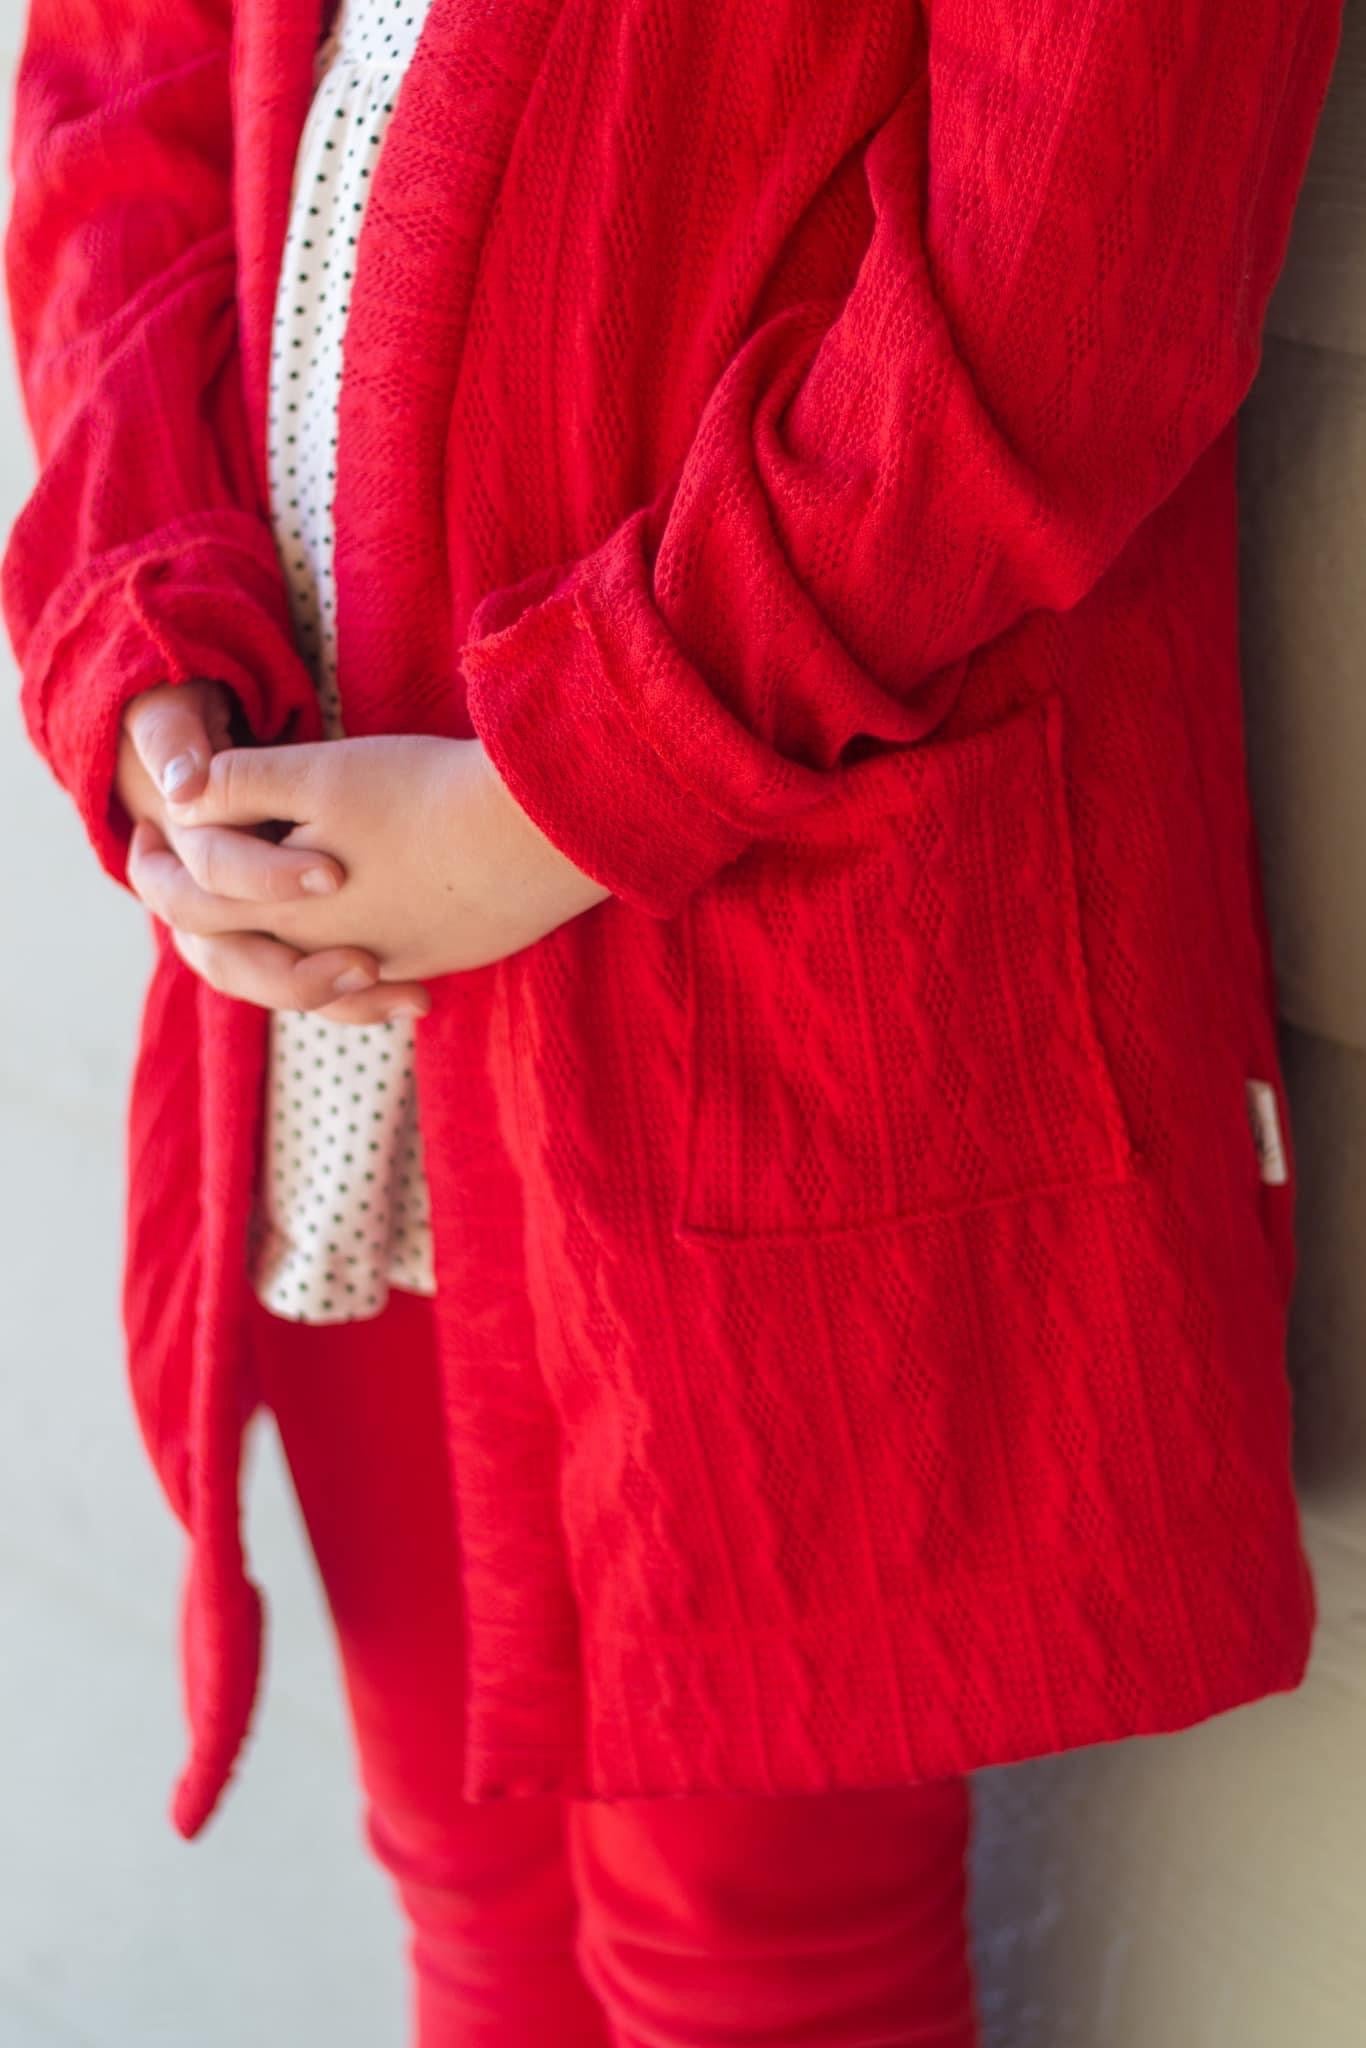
(890, 1014)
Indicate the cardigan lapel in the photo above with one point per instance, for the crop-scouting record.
(447, 152)
(274, 44)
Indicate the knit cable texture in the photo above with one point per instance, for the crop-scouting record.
(800, 442)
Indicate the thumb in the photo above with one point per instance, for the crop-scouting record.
(175, 729)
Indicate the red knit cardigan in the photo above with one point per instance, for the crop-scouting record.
(799, 439)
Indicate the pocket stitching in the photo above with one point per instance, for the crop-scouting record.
(1106, 1094)
(1126, 1157)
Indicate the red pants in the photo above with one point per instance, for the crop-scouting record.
(825, 1921)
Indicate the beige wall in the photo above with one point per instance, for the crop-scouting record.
(1208, 1890)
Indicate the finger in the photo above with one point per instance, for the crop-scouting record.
(157, 874)
(175, 729)
(387, 1000)
(252, 967)
(240, 867)
(160, 878)
(324, 981)
(340, 982)
(252, 786)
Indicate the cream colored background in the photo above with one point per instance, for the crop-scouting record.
(1206, 1890)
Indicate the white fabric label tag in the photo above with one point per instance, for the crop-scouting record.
(1264, 1115)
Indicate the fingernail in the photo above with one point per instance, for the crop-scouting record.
(178, 772)
(353, 981)
(407, 1010)
(318, 881)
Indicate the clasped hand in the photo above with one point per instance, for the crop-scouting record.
(337, 876)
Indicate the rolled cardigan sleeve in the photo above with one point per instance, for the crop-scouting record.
(142, 554)
(1080, 208)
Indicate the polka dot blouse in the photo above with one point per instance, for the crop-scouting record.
(342, 1208)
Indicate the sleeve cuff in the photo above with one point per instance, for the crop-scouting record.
(611, 739)
(539, 699)
(201, 599)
